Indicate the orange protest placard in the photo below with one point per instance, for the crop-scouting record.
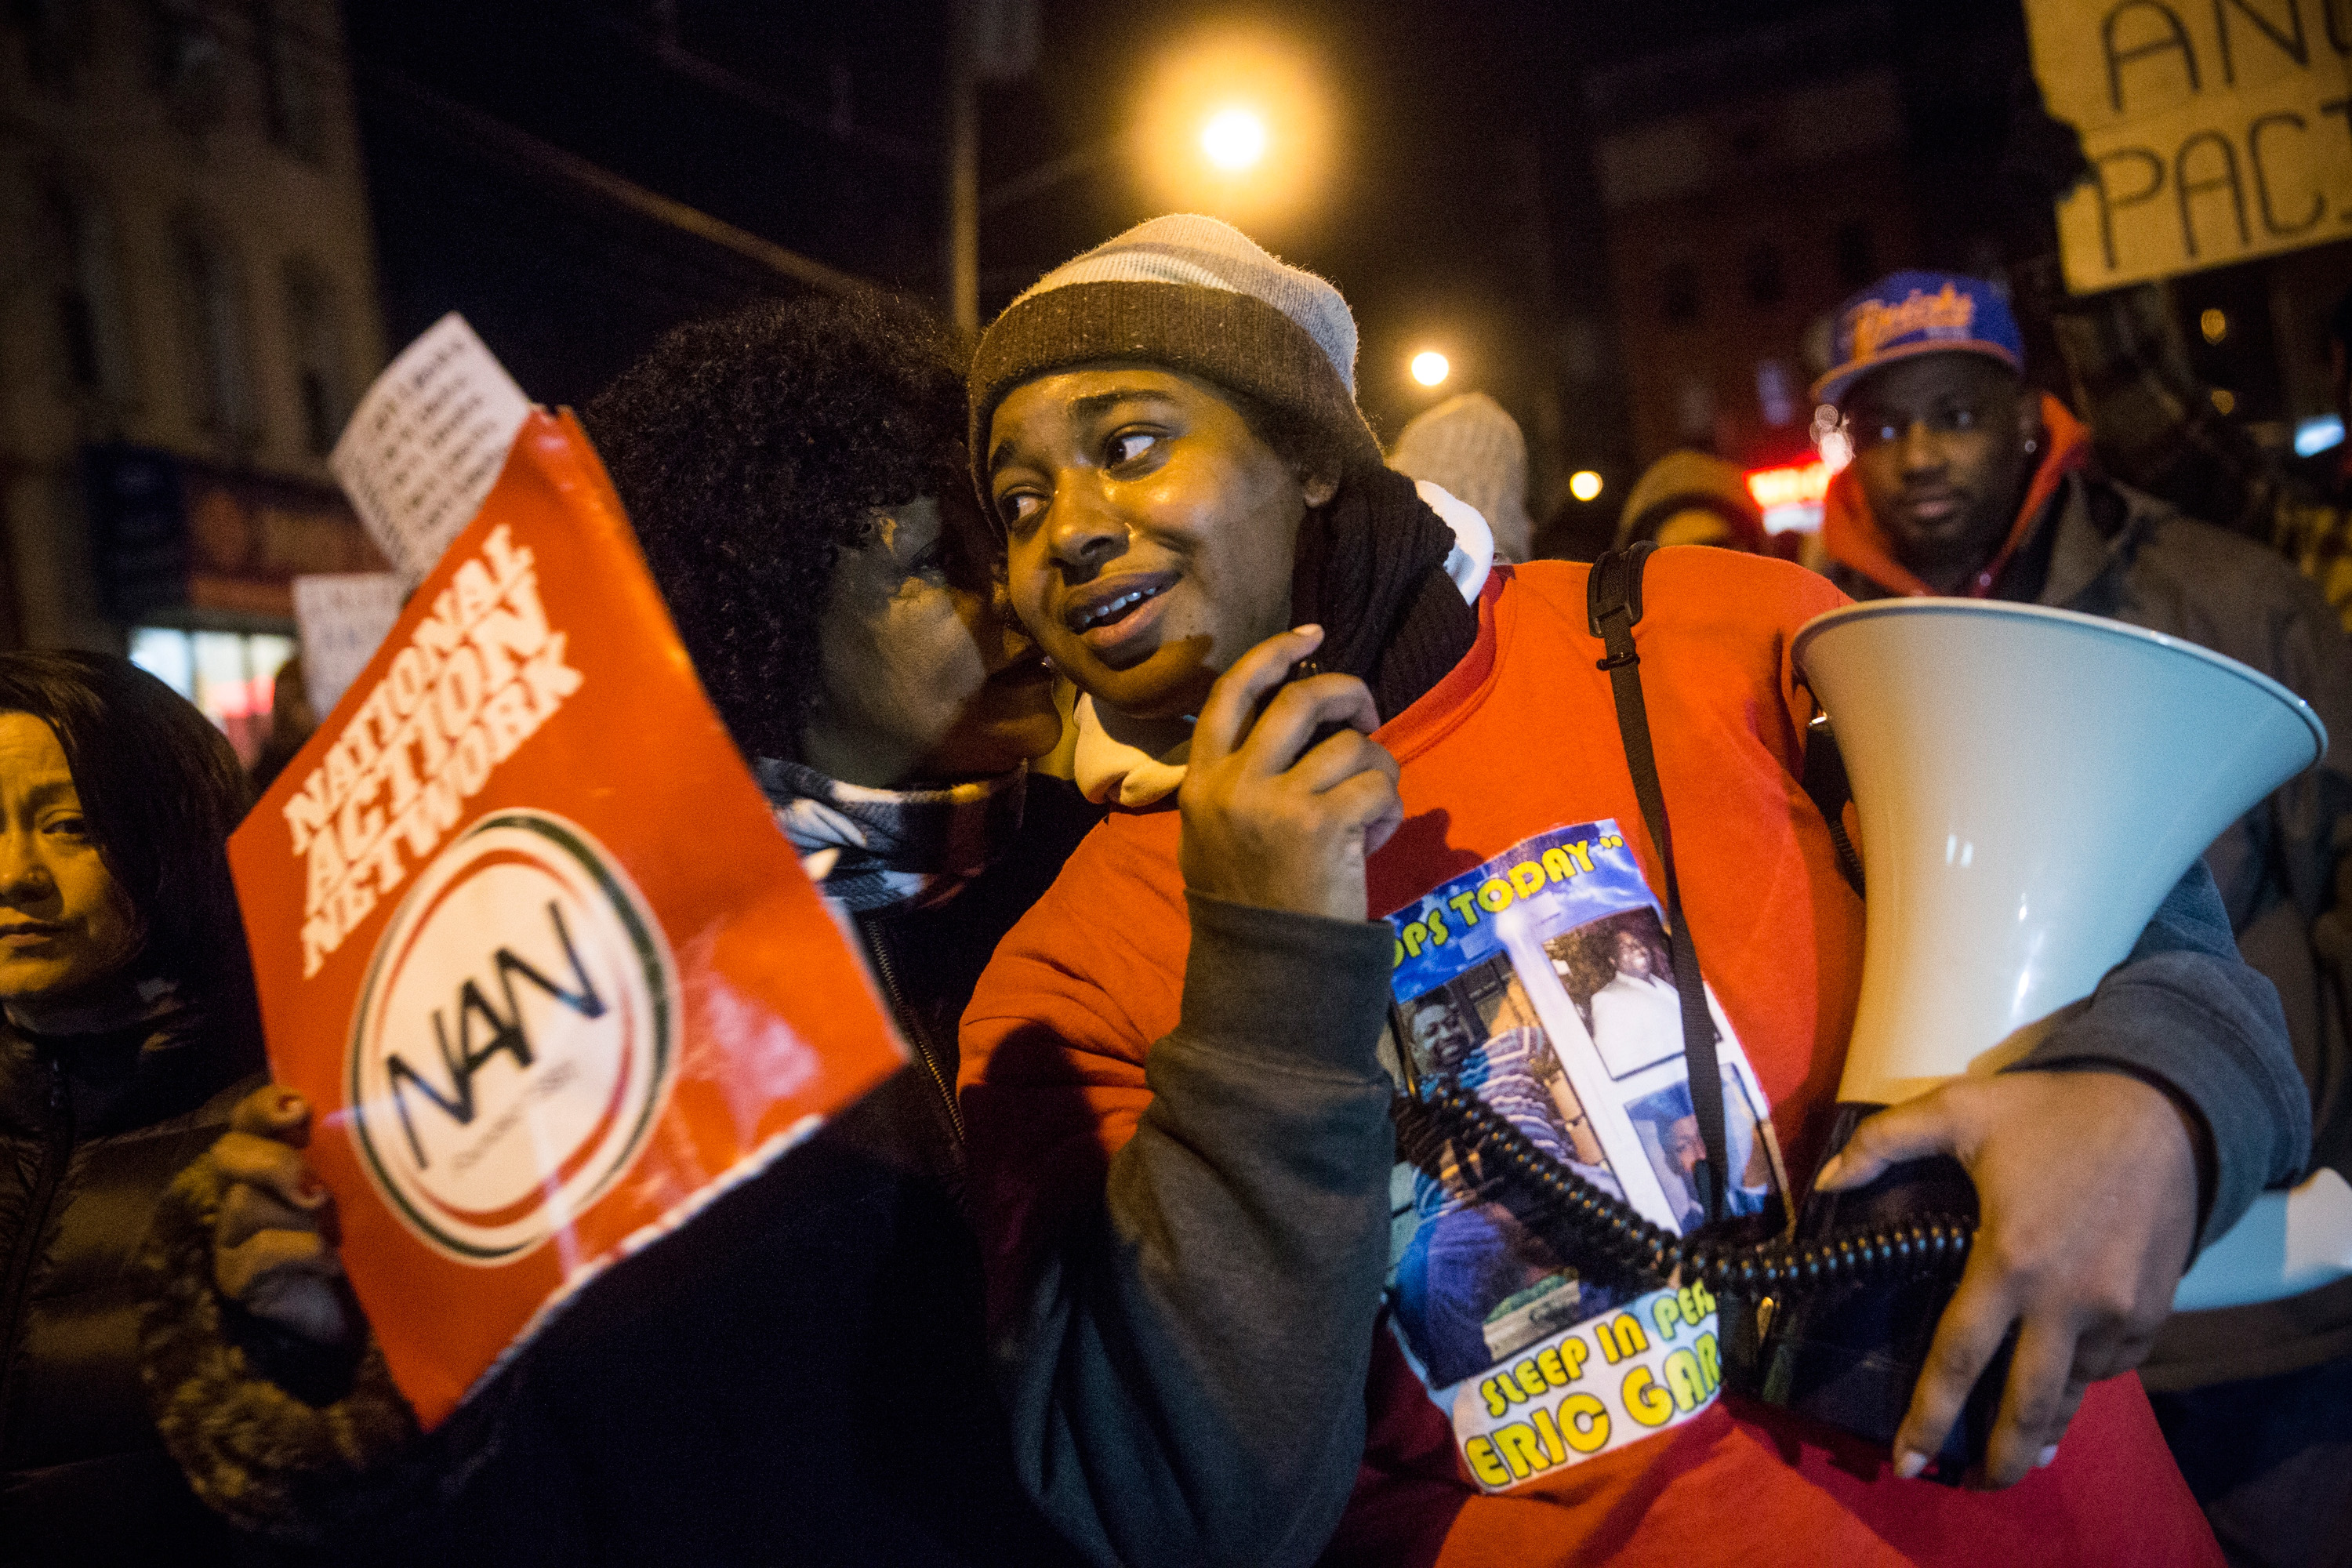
(526, 933)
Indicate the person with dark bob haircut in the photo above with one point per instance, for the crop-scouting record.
(798, 1377)
(127, 1034)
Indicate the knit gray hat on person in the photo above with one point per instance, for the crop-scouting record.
(1472, 448)
(1191, 294)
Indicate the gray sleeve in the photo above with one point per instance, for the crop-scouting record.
(1186, 1377)
(2185, 1013)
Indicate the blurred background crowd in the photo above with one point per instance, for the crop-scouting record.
(1579, 239)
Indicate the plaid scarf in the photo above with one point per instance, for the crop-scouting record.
(896, 849)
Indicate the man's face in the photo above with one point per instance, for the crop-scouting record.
(1632, 955)
(1442, 1039)
(1150, 531)
(1939, 450)
(1685, 1147)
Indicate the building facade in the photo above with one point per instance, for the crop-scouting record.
(188, 309)
(1751, 182)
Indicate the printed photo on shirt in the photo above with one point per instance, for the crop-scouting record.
(1541, 982)
(1668, 1125)
(1620, 973)
(1474, 1284)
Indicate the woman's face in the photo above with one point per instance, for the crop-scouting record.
(926, 676)
(1150, 531)
(66, 924)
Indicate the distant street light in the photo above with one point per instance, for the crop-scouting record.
(1585, 484)
(1234, 140)
(1429, 367)
(1233, 120)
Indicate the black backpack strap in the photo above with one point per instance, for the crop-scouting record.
(1825, 782)
(1614, 603)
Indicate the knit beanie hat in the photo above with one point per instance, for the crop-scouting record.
(1191, 294)
(1473, 449)
(1692, 481)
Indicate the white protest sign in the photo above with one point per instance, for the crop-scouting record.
(2218, 130)
(342, 618)
(428, 442)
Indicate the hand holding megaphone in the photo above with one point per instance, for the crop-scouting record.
(2031, 784)
(2088, 1191)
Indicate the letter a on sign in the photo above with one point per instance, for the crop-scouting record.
(2216, 131)
(560, 998)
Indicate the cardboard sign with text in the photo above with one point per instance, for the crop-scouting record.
(527, 937)
(2217, 133)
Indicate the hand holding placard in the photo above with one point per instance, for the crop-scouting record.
(547, 1000)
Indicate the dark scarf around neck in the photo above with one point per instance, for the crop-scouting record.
(1371, 569)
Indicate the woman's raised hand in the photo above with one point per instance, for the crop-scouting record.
(274, 1244)
(1267, 826)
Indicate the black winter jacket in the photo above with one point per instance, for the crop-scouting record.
(797, 1377)
(92, 1128)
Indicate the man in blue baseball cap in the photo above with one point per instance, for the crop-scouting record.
(1967, 481)
(1929, 376)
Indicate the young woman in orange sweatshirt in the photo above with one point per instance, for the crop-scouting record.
(1173, 1070)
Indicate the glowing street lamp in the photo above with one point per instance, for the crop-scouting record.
(1234, 140)
(1233, 121)
(1585, 484)
(1429, 367)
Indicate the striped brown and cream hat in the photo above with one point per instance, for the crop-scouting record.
(1191, 294)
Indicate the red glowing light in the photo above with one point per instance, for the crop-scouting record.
(1800, 484)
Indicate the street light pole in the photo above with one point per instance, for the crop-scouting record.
(963, 170)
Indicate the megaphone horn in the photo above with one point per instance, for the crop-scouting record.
(2031, 783)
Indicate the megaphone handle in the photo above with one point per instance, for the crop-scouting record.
(1608, 1231)
(1835, 1322)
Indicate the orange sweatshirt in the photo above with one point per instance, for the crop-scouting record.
(1061, 1059)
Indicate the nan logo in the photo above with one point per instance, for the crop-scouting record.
(514, 1039)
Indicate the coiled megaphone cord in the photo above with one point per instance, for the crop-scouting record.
(1930, 1245)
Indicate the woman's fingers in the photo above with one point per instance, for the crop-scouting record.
(2039, 1400)
(275, 1112)
(1912, 1131)
(281, 1173)
(1296, 712)
(1368, 802)
(246, 1210)
(1967, 1335)
(1225, 718)
(238, 1269)
(1339, 757)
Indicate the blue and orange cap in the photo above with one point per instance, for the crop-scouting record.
(1908, 313)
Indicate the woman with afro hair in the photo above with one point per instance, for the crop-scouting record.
(799, 1375)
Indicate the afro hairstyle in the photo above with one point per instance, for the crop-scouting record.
(749, 450)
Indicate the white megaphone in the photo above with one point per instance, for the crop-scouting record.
(2031, 783)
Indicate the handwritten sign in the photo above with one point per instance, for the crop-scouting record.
(426, 444)
(2218, 130)
(525, 930)
(342, 618)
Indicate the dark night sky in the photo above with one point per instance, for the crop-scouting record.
(1456, 207)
